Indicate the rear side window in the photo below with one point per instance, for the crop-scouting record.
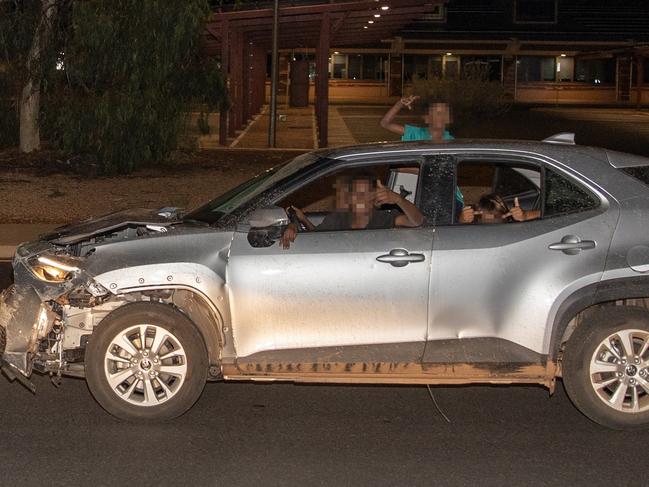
(510, 182)
(563, 196)
(641, 173)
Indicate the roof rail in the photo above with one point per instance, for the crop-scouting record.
(567, 138)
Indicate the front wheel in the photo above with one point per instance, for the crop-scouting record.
(606, 368)
(146, 361)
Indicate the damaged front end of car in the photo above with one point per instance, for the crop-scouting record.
(49, 312)
(31, 310)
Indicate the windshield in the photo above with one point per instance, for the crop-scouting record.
(242, 194)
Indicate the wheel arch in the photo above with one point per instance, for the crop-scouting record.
(198, 291)
(628, 291)
(207, 319)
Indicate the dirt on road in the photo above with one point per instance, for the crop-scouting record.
(43, 188)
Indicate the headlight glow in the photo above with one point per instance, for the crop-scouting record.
(52, 269)
(56, 264)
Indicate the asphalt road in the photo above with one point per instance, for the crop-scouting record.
(241, 434)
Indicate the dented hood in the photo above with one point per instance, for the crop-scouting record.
(78, 231)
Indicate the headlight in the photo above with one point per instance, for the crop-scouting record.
(53, 269)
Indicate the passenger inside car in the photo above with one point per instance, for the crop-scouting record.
(357, 200)
(491, 208)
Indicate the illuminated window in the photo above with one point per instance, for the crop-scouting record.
(355, 63)
(339, 66)
(536, 68)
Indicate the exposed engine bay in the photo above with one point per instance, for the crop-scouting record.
(51, 310)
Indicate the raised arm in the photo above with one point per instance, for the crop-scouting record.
(303, 219)
(387, 122)
(521, 215)
(411, 217)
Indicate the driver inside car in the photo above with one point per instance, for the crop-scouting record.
(357, 200)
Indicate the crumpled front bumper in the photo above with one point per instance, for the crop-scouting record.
(24, 320)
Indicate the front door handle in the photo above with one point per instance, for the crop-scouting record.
(572, 245)
(400, 258)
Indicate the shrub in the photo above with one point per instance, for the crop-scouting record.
(472, 97)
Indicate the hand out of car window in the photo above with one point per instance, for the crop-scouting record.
(288, 236)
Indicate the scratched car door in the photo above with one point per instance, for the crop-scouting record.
(495, 287)
(331, 289)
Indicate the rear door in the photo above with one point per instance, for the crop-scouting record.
(495, 287)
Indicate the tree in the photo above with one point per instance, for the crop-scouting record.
(29, 44)
(119, 77)
(134, 69)
(30, 99)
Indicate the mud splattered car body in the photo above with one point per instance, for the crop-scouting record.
(148, 305)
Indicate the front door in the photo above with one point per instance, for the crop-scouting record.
(329, 289)
(340, 288)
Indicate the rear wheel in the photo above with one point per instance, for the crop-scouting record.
(146, 361)
(606, 368)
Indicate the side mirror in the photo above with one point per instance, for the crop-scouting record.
(266, 226)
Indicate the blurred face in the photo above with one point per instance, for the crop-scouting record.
(362, 197)
(438, 116)
(491, 216)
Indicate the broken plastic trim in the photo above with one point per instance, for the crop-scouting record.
(25, 319)
(7, 370)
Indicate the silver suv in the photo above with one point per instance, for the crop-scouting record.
(148, 305)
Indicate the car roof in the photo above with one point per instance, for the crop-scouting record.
(560, 151)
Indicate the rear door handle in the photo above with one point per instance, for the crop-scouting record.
(400, 258)
(572, 245)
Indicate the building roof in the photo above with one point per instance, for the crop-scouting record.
(352, 22)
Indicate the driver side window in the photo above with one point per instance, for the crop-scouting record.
(365, 197)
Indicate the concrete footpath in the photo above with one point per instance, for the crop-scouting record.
(12, 234)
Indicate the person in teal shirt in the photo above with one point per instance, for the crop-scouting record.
(437, 118)
(414, 132)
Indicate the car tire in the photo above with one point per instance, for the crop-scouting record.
(606, 367)
(154, 379)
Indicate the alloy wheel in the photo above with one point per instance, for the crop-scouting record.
(619, 371)
(145, 365)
